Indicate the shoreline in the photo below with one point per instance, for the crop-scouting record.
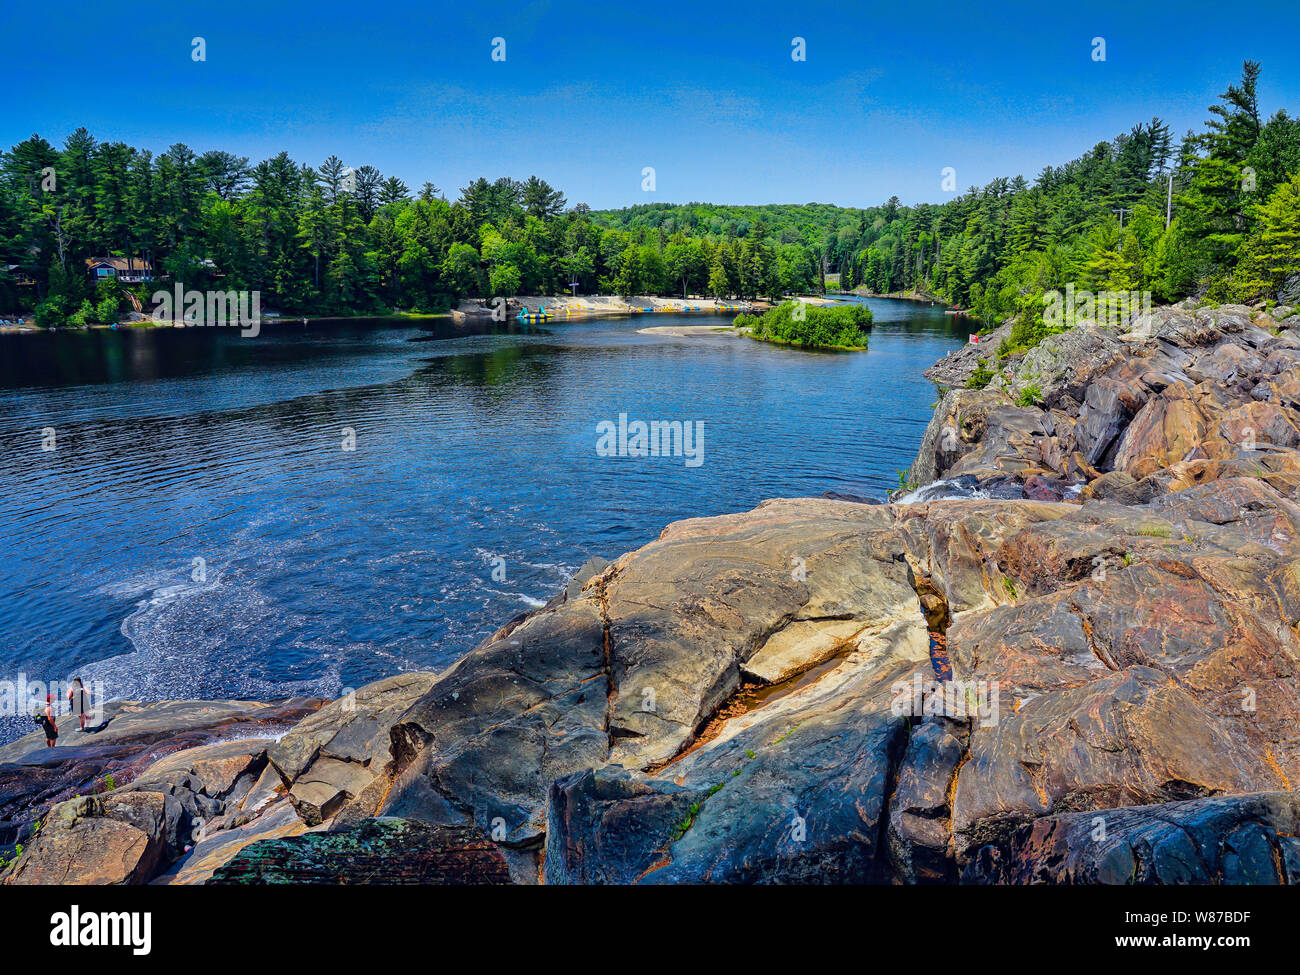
(563, 307)
(900, 296)
(264, 322)
(558, 307)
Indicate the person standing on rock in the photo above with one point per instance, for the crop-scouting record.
(47, 722)
(79, 702)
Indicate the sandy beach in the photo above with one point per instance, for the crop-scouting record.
(561, 307)
(683, 331)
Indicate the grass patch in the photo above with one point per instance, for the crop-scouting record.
(1030, 395)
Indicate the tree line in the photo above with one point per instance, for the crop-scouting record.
(331, 239)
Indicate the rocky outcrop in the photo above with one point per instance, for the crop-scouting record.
(1120, 655)
(117, 839)
(632, 671)
(1182, 396)
(130, 739)
(1071, 655)
(339, 756)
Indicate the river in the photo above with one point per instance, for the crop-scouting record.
(199, 529)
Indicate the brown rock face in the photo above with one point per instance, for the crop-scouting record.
(340, 756)
(91, 841)
(1164, 431)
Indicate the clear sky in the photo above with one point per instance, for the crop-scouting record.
(590, 93)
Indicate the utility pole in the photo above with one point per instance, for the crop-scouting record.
(1169, 202)
(1121, 211)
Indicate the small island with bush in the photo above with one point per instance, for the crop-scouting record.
(811, 327)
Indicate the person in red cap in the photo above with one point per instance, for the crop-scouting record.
(47, 722)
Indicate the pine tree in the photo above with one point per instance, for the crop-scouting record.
(1272, 254)
(719, 286)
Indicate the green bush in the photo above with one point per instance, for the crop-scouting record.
(83, 315)
(1030, 395)
(981, 377)
(106, 309)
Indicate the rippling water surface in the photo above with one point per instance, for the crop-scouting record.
(324, 568)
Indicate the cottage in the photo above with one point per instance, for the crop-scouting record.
(20, 277)
(127, 270)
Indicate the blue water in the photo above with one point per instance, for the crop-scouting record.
(324, 568)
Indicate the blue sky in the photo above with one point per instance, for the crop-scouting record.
(589, 94)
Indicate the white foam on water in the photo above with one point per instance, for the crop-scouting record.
(946, 490)
(202, 641)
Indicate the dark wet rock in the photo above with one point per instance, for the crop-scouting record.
(1038, 488)
(612, 826)
(383, 851)
(1247, 839)
(920, 819)
(1101, 418)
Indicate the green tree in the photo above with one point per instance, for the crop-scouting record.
(505, 280)
(1272, 253)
